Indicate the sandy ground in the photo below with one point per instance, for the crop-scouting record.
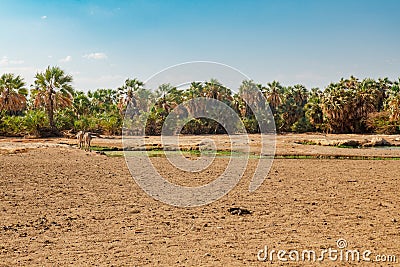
(63, 206)
(285, 144)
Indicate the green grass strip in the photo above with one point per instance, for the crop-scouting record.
(227, 154)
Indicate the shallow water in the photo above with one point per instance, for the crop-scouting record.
(387, 147)
(161, 153)
(228, 154)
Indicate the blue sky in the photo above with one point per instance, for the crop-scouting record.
(101, 43)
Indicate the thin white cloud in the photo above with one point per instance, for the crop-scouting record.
(95, 56)
(392, 61)
(43, 17)
(5, 61)
(101, 81)
(16, 62)
(66, 59)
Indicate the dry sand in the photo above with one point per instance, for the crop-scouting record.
(63, 206)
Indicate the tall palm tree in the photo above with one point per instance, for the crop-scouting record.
(12, 93)
(251, 98)
(394, 107)
(336, 108)
(133, 93)
(384, 85)
(367, 98)
(347, 104)
(214, 89)
(168, 97)
(81, 104)
(195, 90)
(103, 100)
(273, 94)
(313, 109)
(352, 83)
(393, 101)
(126, 92)
(300, 94)
(161, 94)
(52, 90)
(292, 107)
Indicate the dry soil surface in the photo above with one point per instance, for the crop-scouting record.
(63, 206)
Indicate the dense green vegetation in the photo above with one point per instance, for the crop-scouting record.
(52, 107)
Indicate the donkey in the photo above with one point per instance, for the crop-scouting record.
(79, 136)
(87, 138)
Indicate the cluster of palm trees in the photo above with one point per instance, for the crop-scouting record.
(52, 105)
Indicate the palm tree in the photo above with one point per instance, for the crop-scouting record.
(195, 90)
(367, 98)
(214, 89)
(347, 104)
(394, 107)
(251, 98)
(393, 101)
(81, 104)
(103, 100)
(336, 108)
(352, 83)
(313, 109)
(52, 90)
(273, 94)
(12, 93)
(161, 93)
(126, 93)
(300, 94)
(292, 107)
(384, 85)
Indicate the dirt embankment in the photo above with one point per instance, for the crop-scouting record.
(288, 144)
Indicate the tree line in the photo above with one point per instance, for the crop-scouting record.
(51, 106)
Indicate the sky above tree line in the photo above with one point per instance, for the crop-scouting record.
(101, 43)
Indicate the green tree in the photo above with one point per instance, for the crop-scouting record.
(81, 104)
(103, 100)
(52, 90)
(130, 93)
(12, 93)
(163, 95)
(273, 93)
(336, 109)
(313, 109)
(214, 89)
(393, 101)
(292, 106)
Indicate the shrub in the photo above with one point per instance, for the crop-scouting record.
(34, 121)
(11, 125)
(31, 122)
(301, 126)
(64, 119)
(379, 122)
(251, 125)
(110, 124)
(86, 123)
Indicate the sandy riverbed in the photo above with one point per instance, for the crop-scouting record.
(63, 206)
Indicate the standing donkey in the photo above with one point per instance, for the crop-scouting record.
(87, 138)
(84, 139)
(79, 136)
